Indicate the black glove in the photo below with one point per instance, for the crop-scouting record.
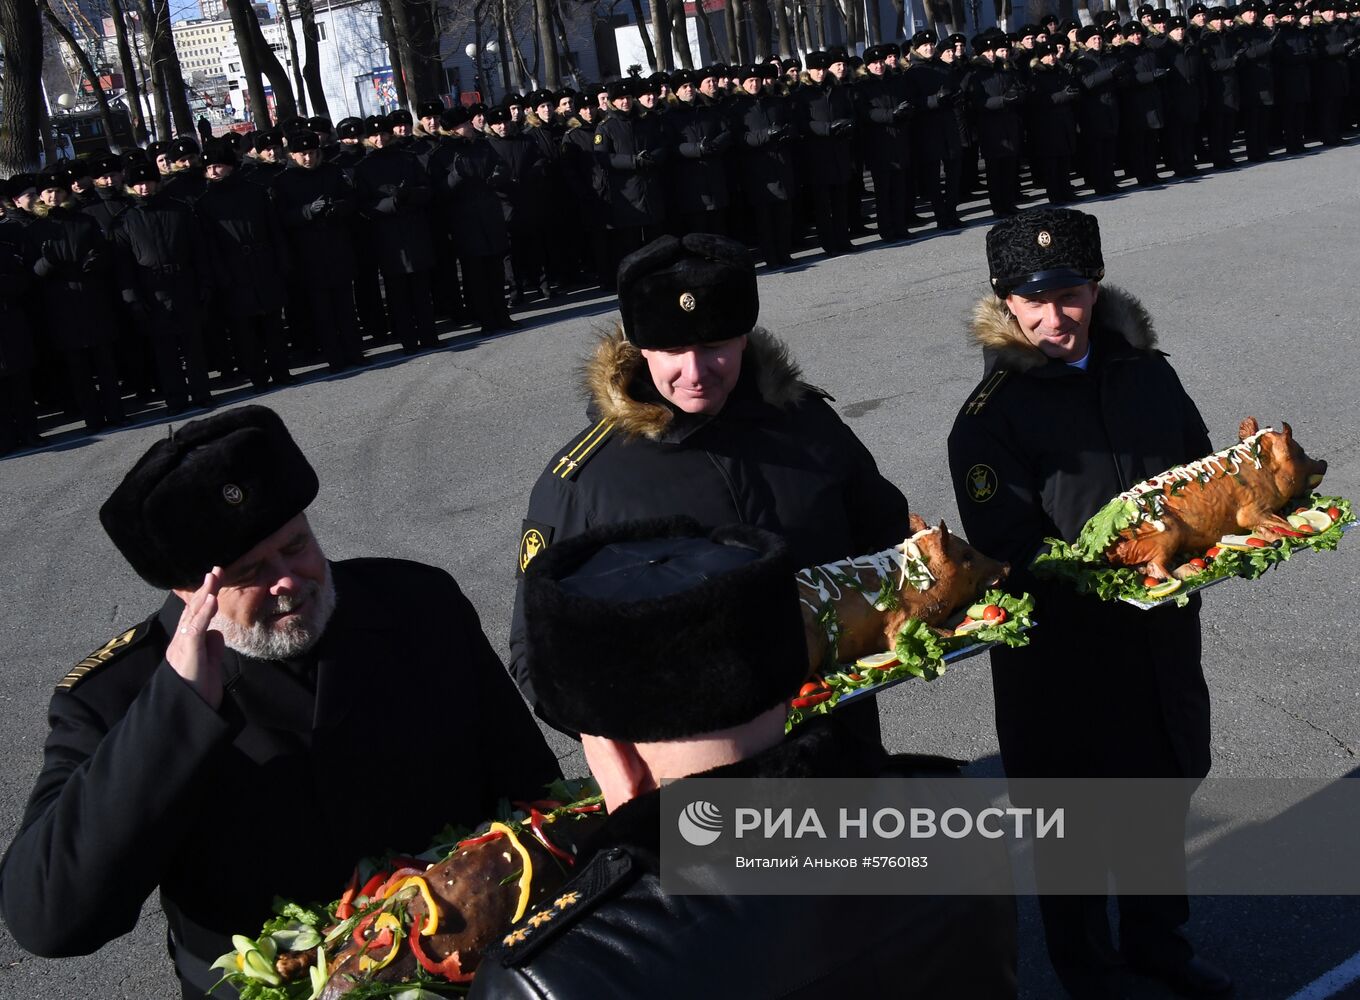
(92, 262)
(1072, 90)
(902, 110)
(706, 147)
(498, 176)
(841, 125)
(401, 195)
(317, 207)
(644, 160)
(1158, 74)
(1012, 96)
(776, 132)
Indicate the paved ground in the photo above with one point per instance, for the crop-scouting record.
(1250, 276)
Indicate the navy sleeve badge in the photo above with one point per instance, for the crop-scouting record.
(534, 537)
(980, 483)
(105, 654)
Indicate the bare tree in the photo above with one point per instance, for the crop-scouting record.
(20, 85)
(311, 71)
(661, 34)
(250, 68)
(284, 104)
(781, 21)
(572, 68)
(165, 69)
(641, 23)
(680, 35)
(722, 53)
(741, 46)
(286, 15)
(101, 99)
(552, 74)
(129, 64)
(760, 26)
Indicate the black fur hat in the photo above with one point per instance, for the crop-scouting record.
(219, 152)
(207, 495)
(693, 290)
(818, 60)
(350, 128)
(616, 89)
(430, 109)
(301, 142)
(181, 149)
(453, 117)
(141, 173)
(1042, 249)
(400, 118)
(659, 630)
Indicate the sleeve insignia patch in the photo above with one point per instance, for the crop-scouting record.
(981, 483)
(599, 139)
(533, 539)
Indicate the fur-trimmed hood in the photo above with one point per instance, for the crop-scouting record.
(611, 372)
(995, 330)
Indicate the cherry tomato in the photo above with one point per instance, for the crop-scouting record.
(991, 613)
(1213, 553)
(1198, 563)
(1258, 543)
(1334, 512)
(1151, 581)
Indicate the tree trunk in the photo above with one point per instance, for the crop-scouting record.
(551, 76)
(642, 30)
(873, 34)
(572, 69)
(900, 7)
(509, 51)
(311, 46)
(255, 96)
(760, 27)
(100, 98)
(781, 22)
(661, 34)
(160, 100)
(680, 35)
(20, 85)
(393, 50)
(284, 104)
(165, 68)
(286, 15)
(741, 46)
(403, 67)
(130, 83)
(720, 53)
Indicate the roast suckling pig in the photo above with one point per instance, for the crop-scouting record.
(1189, 508)
(856, 607)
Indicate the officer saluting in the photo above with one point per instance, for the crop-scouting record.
(223, 749)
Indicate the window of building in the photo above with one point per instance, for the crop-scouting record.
(321, 31)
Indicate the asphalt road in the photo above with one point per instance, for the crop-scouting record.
(1249, 276)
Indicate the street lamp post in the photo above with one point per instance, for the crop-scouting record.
(483, 60)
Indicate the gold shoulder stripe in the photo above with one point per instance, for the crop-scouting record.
(989, 387)
(109, 651)
(569, 464)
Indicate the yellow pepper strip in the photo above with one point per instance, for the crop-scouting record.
(431, 910)
(526, 877)
(385, 920)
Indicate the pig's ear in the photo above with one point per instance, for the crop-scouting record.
(1287, 431)
(916, 522)
(944, 530)
(1247, 428)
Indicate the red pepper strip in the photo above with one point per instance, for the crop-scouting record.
(374, 884)
(363, 925)
(1286, 531)
(345, 908)
(483, 839)
(398, 877)
(536, 824)
(450, 968)
(594, 807)
(812, 699)
(380, 942)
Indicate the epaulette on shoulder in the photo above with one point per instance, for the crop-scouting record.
(104, 655)
(578, 898)
(579, 450)
(989, 386)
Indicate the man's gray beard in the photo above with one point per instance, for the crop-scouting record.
(288, 640)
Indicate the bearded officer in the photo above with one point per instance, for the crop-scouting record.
(694, 409)
(1060, 425)
(224, 748)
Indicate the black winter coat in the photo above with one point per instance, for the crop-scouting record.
(74, 267)
(827, 115)
(1332, 76)
(612, 934)
(316, 208)
(523, 190)
(777, 456)
(1141, 100)
(16, 334)
(885, 107)
(107, 206)
(938, 90)
(1103, 689)
(1258, 65)
(468, 175)
(1222, 88)
(1101, 75)
(996, 93)
(246, 246)
(394, 193)
(632, 150)
(1294, 65)
(766, 130)
(1053, 97)
(162, 267)
(697, 180)
(281, 791)
(1183, 89)
(583, 175)
(186, 185)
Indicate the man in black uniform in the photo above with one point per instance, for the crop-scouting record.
(608, 664)
(936, 144)
(696, 410)
(1101, 74)
(1256, 58)
(885, 112)
(827, 118)
(631, 148)
(18, 411)
(1222, 90)
(316, 205)
(1060, 425)
(996, 94)
(697, 180)
(222, 749)
(765, 125)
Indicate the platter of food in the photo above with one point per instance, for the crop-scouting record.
(416, 928)
(901, 614)
(1231, 515)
